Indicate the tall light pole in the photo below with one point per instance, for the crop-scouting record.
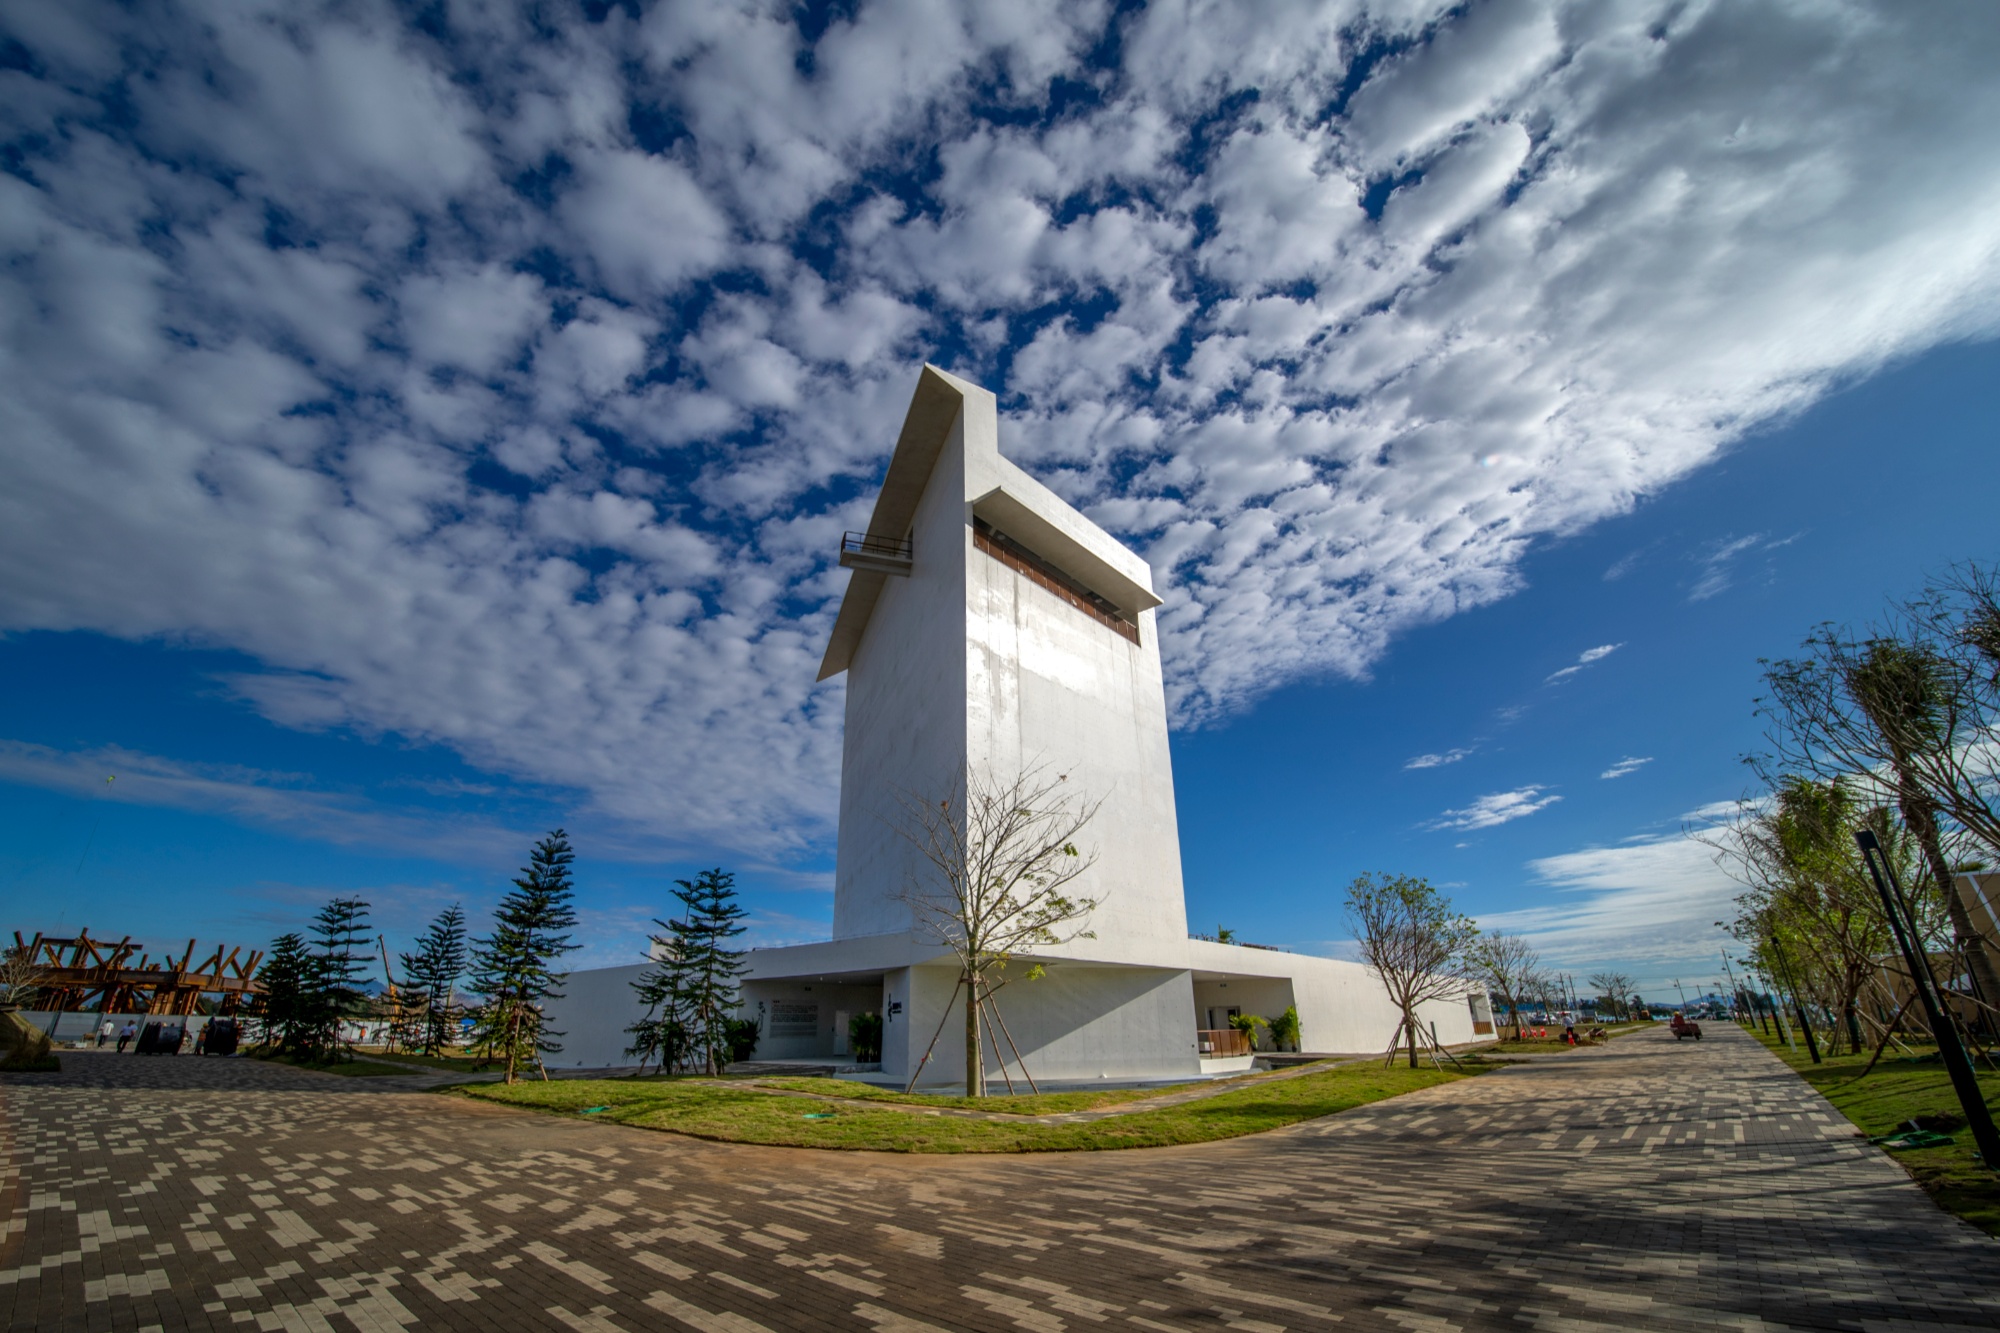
(1735, 991)
(1798, 1000)
(1963, 1080)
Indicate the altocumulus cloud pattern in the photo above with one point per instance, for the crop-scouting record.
(503, 379)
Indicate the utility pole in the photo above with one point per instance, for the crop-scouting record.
(1963, 1080)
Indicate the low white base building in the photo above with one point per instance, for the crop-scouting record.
(1083, 1019)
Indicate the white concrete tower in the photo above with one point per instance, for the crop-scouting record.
(989, 625)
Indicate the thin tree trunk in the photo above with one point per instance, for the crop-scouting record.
(975, 1058)
(1410, 1030)
(1921, 819)
(513, 1037)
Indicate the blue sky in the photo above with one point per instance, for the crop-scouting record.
(424, 426)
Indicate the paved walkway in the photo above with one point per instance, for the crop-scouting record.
(1646, 1185)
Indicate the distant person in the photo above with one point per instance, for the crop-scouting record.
(125, 1035)
(104, 1031)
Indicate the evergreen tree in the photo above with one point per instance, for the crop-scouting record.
(284, 976)
(513, 968)
(708, 967)
(432, 974)
(662, 1034)
(333, 989)
(690, 995)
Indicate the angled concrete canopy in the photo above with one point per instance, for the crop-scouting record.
(926, 426)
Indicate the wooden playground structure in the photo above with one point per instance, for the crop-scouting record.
(97, 975)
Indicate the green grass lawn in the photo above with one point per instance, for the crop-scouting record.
(736, 1113)
(1902, 1088)
(1046, 1103)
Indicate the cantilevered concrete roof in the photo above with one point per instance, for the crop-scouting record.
(926, 426)
(1019, 506)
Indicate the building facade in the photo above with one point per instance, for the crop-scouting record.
(988, 629)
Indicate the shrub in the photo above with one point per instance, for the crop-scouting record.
(1249, 1023)
(1285, 1030)
(740, 1036)
(864, 1038)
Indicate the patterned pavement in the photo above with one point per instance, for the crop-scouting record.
(1645, 1185)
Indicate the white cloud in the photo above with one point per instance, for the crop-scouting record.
(1438, 760)
(267, 336)
(1647, 906)
(1716, 572)
(645, 222)
(1497, 808)
(1583, 660)
(284, 801)
(1625, 766)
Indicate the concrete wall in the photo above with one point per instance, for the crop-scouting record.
(1075, 1022)
(905, 720)
(77, 1024)
(1046, 684)
(596, 1008)
(1342, 1006)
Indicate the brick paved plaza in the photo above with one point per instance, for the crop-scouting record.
(1647, 1185)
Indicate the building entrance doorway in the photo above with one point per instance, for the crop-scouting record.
(1219, 1016)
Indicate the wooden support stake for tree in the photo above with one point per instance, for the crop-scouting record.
(986, 1006)
(1395, 1042)
(994, 1007)
(914, 1073)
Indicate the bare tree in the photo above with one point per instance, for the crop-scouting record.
(20, 978)
(1617, 988)
(1417, 944)
(1508, 964)
(1003, 854)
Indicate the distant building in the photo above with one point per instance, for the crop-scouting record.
(989, 626)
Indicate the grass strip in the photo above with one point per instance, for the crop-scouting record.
(1900, 1089)
(735, 1113)
(1046, 1103)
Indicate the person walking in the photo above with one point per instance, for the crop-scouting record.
(125, 1035)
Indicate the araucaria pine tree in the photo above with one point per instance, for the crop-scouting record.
(662, 1034)
(281, 1008)
(333, 989)
(690, 994)
(432, 974)
(514, 967)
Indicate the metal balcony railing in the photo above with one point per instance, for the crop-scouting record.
(888, 555)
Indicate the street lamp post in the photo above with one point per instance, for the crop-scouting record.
(1798, 1001)
(1735, 991)
(1963, 1080)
